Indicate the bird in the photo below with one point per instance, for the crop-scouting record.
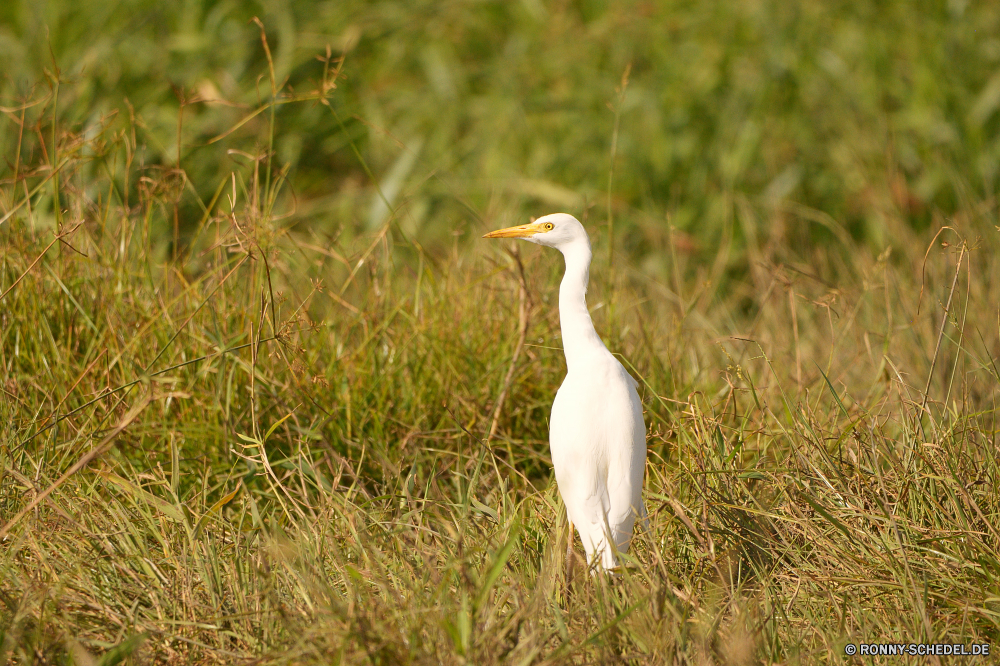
(597, 435)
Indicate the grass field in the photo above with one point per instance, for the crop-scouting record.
(265, 397)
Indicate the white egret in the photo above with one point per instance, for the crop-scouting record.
(597, 436)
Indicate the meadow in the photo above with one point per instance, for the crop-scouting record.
(266, 397)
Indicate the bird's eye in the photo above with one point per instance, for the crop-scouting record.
(549, 226)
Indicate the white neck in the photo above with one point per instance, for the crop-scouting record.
(578, 335)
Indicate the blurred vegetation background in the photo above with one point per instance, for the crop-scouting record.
(241, 285)
(817, 117)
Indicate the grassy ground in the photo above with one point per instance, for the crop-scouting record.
(242, 420)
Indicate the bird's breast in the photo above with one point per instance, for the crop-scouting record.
(595, 409)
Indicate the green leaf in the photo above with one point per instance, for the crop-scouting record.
(826, 514)
(751, 475)
(123, 650)
(277, 423)
(499, 562)
(830, 386)
(482, 508)
(175, 466)
(166, 508)
(215, 507)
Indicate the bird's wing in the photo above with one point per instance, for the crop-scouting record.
(575, 441)
(627, 462)
(580, 459)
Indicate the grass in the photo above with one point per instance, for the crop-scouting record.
(243, 421)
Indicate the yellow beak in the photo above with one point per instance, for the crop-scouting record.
(521, 231)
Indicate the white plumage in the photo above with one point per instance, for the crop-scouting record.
(597, 436)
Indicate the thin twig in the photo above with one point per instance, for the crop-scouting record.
(58, 238)
(617, 108)
(521, 335)
(961, 333)
(937, 346)
(84, 460)
(923, 265)
(795, 333)
(132, 383)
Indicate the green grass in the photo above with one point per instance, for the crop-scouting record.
(246, 414)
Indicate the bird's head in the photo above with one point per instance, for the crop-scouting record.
(558, 230)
